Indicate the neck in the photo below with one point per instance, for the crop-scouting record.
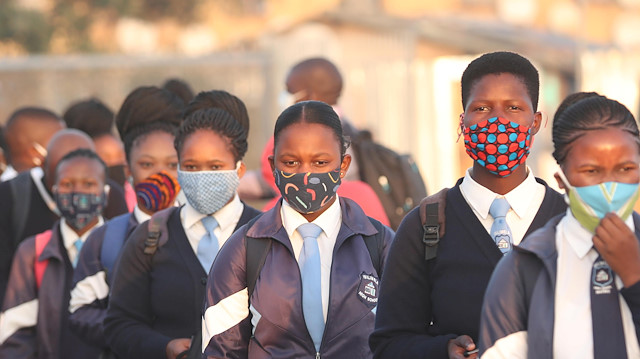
(497, 184)
(310, 217)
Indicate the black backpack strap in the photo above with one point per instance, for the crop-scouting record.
(431, 229)
(257, 250)
(375, 245)
(157, 230)
(21, 193)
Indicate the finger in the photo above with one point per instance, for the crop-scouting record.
(466, 342)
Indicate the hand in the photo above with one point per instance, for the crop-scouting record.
(177, 346)
(456, 347)
(618, 246)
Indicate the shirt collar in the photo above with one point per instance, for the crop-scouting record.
(480, 198)
(225, 216)
(139, 215)
(578, 237)
(292, 219)
(69, 236)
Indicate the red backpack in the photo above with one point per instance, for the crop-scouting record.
(39, 266)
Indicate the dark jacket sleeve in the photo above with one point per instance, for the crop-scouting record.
(89, 296)
(227, 323)
(129, 317)
(20, 308)
(631, 295)
(503, 323)
(6, 236)
(404, 308)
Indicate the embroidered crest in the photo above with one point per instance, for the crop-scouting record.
(502, 241)
(368, 289)
(601, 277)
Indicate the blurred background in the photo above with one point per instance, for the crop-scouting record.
(401, 59)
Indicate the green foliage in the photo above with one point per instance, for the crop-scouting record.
(28, 28)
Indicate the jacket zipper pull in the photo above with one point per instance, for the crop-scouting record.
(317, 355)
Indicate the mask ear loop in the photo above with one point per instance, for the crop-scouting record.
(460, 127)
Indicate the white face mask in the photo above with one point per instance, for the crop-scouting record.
(208, 191)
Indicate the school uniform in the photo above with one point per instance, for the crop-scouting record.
(270, 323)
(424, 304)
(91, 282)
(157, 298)
(40, 213)
(551, 317)
(34, 321)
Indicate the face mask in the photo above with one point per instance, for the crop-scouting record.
(116, 173)
(589, 204)
(308, 192)
(157, 192)
(208, 191)
(497, 144)
(79, 209)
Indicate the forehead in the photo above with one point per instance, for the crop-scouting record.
(80, 167)
(609, 143)
(306, 135)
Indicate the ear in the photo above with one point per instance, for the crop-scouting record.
(271, 163)
(242, 169)
(344, 166)
(560, 181)
(537, 121)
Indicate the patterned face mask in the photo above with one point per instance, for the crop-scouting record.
(79, 209)
(208, 191)
(157, 191)
(589, 204)
(497, 144)
(308, 192)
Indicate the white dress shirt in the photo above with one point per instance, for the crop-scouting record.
(330, 221)
(9, 173)
(227, 217)
(139, 215)
(572, 332)
(69, 237)
(525, 201)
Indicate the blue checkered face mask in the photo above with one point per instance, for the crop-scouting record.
(208, 191)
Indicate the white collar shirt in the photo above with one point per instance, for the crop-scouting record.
(227, 217)
(69, 237)
(525, 201)
(139, 215)
(330, 221)
(573, 330)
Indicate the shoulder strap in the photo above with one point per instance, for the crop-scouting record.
(21, 193)
(114, 236)
(431, 229)
(157, 230)
(39, 266)
(257, 250)
(375, 245)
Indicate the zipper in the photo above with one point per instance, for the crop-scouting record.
(317, 355)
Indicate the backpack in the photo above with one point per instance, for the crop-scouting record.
(39, 266)
(114, 236)
(395, 178)
(433, 220)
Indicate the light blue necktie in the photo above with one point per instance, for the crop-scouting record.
(500, 231)
(78, 244)
(309, 263)
(208, 246)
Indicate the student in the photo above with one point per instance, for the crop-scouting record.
(28, 206)
(334, 265)
(156, 299)
(572, 290)
(153, 164)
(431, 308)
(34, 319)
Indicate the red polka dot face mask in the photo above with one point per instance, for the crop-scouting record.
(497, 144)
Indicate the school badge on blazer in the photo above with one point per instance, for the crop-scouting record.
(602, 277)
(368, 289)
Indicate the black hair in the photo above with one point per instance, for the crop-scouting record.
(496, 63)
(218, 121)
(148, 104)
(140, 132)
(82, 153)
(220, 99)
(311, 112)
(590, 114)
(570, 100)
(90, 116)
(180, 88)
(32, 111)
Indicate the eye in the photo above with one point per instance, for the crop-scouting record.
(290, 163)
(216, 167)
(514, 108)
(322, 163)
(146, 165)
(481, 108)
(190, 167)
(173, 165)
